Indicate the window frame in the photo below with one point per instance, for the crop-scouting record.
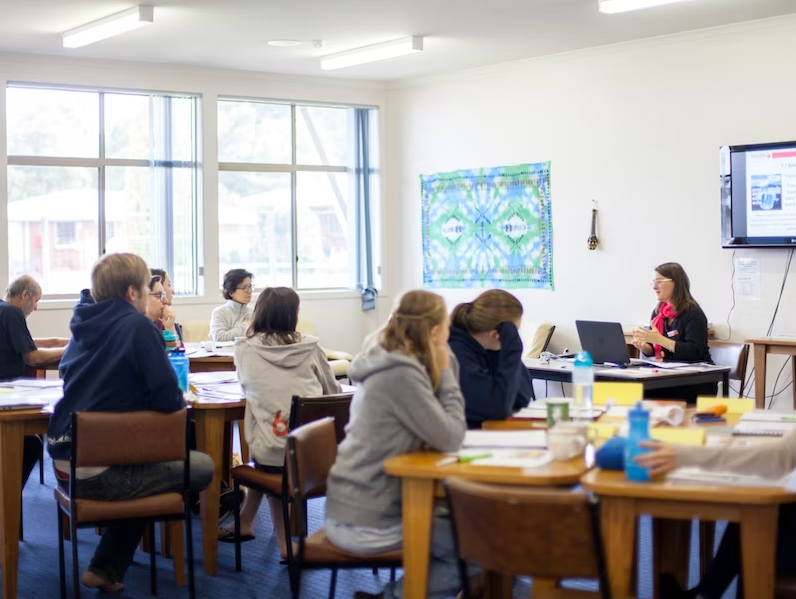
(293, 168)
(101, 163)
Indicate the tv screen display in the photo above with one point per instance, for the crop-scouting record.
(758, 195)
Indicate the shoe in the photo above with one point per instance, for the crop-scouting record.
(669, 588)
(229, 537)
(364, 595)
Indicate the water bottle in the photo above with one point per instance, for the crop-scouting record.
(179, 361)
(638, 431)
(583, 380)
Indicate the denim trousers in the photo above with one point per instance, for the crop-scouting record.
(118, 544)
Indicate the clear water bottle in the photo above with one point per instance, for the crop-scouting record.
(639, 430)
(583, 380)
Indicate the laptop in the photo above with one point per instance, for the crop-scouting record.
(605, 341)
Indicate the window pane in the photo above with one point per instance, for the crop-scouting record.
(322, 135)
(254, 132)
(255, 226)
(127, 126)
(150, 212)
(52, 225)
(323, 230)
(46, 122)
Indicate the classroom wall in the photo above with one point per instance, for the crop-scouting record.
(337, 316)
(635, 126)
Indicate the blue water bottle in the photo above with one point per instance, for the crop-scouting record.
(583, 380)
(179, 361)
(639, 431)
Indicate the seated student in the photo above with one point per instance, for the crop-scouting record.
(487, 344)
(774, 459)
(232, 319)
(18, 348)
(407, 397)
(678, 332)
(156, 306)
(116, 362)
(275, 363)
(169, 318)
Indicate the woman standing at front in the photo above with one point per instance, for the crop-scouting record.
(679, 331)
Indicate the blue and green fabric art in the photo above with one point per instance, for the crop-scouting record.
(488, 228)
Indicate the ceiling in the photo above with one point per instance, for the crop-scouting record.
(460, 33)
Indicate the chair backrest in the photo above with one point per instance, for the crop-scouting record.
(732, 355)
(196, 330)
(304, 410)
(541, 337)
(624, 394)
(128, 438)
(500, 529)
(311, 452)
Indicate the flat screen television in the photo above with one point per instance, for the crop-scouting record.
(758, 195)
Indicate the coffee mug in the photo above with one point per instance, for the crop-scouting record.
(210, 346)
(567, 440)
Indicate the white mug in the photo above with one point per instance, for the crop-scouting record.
(567, 440)
(210, 346)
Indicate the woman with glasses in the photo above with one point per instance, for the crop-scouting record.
(155, 304)
(678, 331)
(233, 318)
(169, 317)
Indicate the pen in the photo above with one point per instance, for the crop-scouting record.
(447, 461)
(469, 458)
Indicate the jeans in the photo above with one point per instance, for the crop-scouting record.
(443, 573)
(115, 551)
(727, 563)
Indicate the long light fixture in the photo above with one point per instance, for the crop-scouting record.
(393, 49)
(122, 22)
(615, 6)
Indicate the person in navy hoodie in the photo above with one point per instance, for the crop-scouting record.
(486, 341)
(116, 362)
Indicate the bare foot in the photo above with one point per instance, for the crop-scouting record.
(95, 581)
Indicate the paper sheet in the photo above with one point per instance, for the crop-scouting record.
(695, 475)
(747, 279)
(505, 439)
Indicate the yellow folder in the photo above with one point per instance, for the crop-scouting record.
(679, 435)
(734, 406)
(624, 394)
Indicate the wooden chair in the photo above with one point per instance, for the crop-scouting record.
(500, 528)
(158, 438)
(312, 450)
(302, 411)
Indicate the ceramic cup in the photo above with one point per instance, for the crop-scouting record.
(567, 440)
(210, 346)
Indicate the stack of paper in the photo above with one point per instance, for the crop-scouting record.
(763, 422)
(505, 439)
(696, 475)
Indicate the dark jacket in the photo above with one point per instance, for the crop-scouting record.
(115, 362)
(494, 383)
(690, 333)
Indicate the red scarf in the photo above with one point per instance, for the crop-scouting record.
(665, 312)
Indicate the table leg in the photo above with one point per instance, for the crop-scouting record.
(758, 550)
(210, 440)
(618, 521)
(760, 375)
(672, 544)
(417, 497)
(498, 585)
(11, 444)
(725, 384)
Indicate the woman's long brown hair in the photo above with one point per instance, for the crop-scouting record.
(486, 312)
(409, 329)
(276, 315)
(682, 299)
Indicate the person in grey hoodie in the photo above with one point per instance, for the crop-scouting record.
(407, 398)
(275, 363)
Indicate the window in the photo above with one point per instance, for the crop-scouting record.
(289, 204)
(92, 171)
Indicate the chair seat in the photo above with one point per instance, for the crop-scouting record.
(339, 367)
(318, 548)
(249, 476)
(90, 510)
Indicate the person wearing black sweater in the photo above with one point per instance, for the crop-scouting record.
(485, 340)
(678, 331)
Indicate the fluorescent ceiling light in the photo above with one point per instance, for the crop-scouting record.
(393, 49)
(615, 6)
(109, 26)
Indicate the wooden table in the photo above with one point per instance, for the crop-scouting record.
(420, 474)
(14, 425)
(561, 371)
(622, 501)
(763, 346)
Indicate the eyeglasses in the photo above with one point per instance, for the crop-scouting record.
(245, 288)
(659, 281)
(159, 294)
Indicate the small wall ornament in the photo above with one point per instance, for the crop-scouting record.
(593, 241)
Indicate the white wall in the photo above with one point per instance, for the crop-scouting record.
(337, 316)
(635, 126)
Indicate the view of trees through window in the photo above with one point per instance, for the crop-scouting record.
(93, 171)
